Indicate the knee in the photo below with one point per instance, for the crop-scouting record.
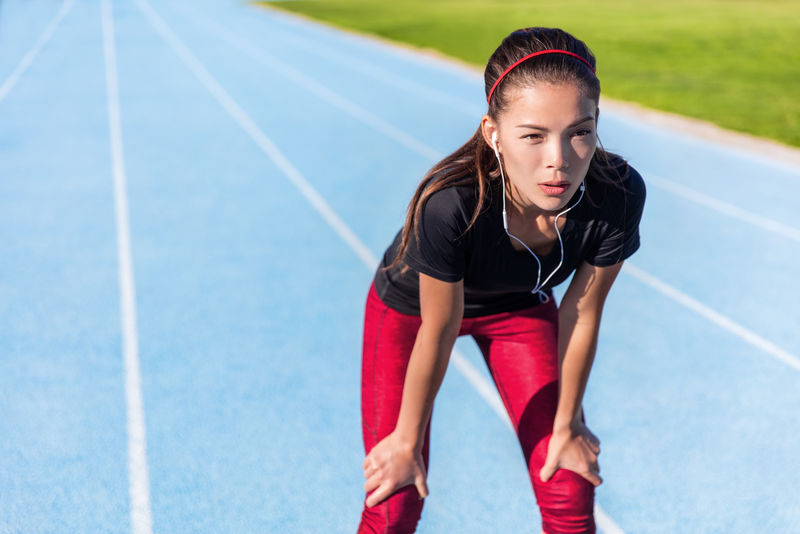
(399, 514)
(566, 502)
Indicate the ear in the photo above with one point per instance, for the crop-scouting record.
(489, 128)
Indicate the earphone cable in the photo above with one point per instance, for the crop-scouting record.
(543, 296)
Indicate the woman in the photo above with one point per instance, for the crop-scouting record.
(527, 201)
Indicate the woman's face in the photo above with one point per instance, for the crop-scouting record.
(546, 136)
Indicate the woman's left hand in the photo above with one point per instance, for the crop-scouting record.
(393, 464)
(574, 448)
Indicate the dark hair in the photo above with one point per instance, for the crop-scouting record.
(475, 163)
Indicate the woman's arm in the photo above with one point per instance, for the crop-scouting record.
(572, 445)
(396, 461)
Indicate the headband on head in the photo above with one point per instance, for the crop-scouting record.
(539, 53)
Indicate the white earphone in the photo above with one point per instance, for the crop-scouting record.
(543, 296)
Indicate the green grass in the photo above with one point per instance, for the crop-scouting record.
(735, 63)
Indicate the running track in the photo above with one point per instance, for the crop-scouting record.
(192, 200)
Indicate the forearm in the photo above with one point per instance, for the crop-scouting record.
(577, 346)
(424, 375)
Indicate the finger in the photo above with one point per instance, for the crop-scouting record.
(370, 470)
(547, 471)
(372, 482)
(592, 477)
(378, 496)
(422, 486)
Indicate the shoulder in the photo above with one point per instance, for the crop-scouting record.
(454, 203)
(623, 195)
(628, 180)
(437, 246)
(454, 195)
(633, 184)
(613, 214)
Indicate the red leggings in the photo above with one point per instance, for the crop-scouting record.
(521, 350)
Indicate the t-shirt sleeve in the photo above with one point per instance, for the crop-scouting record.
(619, 229)
(440, 250)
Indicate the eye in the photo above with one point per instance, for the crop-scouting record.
(532, 136)
(582, 132)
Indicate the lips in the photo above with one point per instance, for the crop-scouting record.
(554, 187)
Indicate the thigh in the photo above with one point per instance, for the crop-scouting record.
(521, 351)
(388, 340)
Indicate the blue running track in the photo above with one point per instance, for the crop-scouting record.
(193, 196)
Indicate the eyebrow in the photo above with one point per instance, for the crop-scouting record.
(577, 122)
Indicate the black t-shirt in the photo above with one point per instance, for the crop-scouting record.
(602, 229)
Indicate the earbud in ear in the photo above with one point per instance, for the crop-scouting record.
(494, 140)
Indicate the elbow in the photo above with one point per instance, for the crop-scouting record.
(444, 334)
(575, 315)
(441, 309)
(569, 312)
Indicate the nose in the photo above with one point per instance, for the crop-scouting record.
(557, 153)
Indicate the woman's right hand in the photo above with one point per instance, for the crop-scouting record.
(574, 448)
(392, 464)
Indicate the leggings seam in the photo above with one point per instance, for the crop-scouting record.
(375, 397)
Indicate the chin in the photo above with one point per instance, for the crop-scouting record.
(552, 203)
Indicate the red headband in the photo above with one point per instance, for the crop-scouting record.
(539, 53)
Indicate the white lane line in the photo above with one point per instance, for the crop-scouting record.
(604, 521)
(717, 318)
(249, 126)
(138, 479)
(724, 207)
(484, 388)
(28, 58)
(314, 87)
(673, 187)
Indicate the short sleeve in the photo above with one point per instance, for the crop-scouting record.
(618, 228)
(440, 250)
